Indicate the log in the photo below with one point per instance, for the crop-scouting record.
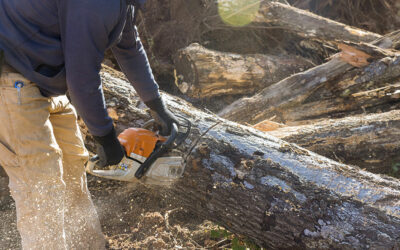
(301, 22)
(371, 142)
(276, 193)
(333, 88)
(2, 172)
(201, 72)
(309, 24)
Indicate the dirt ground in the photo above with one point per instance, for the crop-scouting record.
(152, 221)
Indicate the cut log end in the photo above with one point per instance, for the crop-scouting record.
(205, 73)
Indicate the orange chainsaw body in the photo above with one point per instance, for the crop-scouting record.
(145, 156)
(139, 143)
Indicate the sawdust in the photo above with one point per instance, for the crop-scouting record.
(132, 216)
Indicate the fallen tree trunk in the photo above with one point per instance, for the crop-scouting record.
(301, 22)
(309, 24)
(201, 72)
(276, 193)
(331, 88)
(370, 141)
(358, 13)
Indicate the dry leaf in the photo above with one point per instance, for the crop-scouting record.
(353, 56)
(113, 114)
(268, 125)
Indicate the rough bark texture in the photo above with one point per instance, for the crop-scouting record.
(301, 22)
(201, 72)
(309, 24)
(377, 16)
(276, 193)
(371, 141)
(168, 26)
(333, 88)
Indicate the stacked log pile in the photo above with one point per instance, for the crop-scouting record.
(359, 86)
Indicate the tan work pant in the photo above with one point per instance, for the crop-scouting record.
(42, 151)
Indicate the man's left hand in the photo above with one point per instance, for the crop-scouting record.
(163, 117)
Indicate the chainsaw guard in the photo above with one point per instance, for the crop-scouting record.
(164, 171)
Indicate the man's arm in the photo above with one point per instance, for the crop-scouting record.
(133, 61)
(85, 26)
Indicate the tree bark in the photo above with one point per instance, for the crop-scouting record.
(276, 193)
(308, 24)
(370, 141)
(301, 22)
(332, 88)
(201, 72)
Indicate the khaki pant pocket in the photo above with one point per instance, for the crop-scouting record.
(7, 157)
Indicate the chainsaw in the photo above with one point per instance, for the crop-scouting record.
(145, 157)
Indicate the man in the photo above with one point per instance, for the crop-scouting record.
(51, 47)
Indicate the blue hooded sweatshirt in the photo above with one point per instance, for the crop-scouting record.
(60, 44)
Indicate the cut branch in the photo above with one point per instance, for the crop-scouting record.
(331, 88)
(276, 193)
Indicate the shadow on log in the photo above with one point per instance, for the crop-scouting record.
(276, 193)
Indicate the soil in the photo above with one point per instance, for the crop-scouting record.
(153, 220)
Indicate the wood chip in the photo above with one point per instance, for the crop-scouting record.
(353, 56)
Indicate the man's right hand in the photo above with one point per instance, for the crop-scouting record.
(109, 149)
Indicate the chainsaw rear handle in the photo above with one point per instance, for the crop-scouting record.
(158, 152)
(92, 163)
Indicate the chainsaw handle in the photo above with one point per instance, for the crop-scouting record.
(92, 163)
(157, 153)
(149, 124)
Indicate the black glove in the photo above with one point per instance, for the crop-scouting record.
(163, 117)
(109, 150)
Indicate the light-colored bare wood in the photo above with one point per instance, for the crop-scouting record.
(202, 72)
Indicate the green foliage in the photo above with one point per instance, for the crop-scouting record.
(237, 242)
(219, 233)
(395, 171)
(237, 245)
